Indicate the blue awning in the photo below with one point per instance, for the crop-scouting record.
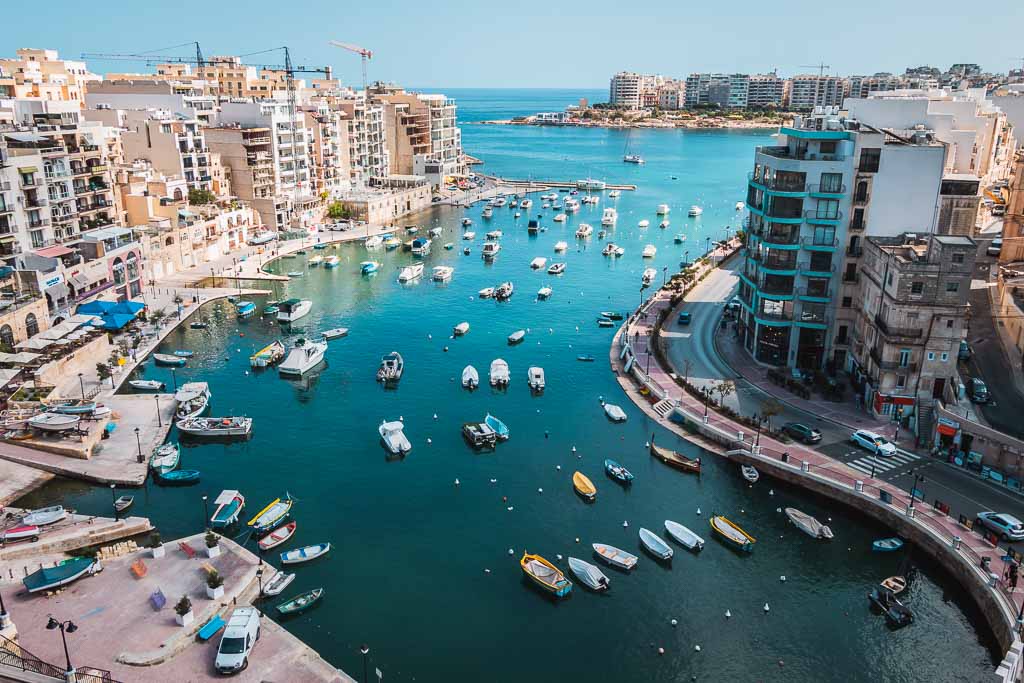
(96, 307)
(115, 321)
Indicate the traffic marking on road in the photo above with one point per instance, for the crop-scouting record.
(868, 463)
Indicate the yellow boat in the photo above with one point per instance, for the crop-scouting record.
(546, 575)
(731, 533)
(584, 486)
(272, 515)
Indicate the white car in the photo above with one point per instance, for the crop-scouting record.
(240, 635)
(873, 442)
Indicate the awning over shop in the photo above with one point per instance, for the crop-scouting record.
(55, 251)
(58, 291)
(22, 358)
(35, 343)
(59, 331)
(94, 308)
(946, 430)
(6, 375)
(80, 282)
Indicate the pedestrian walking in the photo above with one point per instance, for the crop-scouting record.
(1013, 575)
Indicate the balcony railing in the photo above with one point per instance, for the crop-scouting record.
(820, 292)
(891, 331)
(811, 241)
(876, 356)
(779, 238)
(39, 223)
(775, 315)
(814, 214)
(854, 251)
(784, 215)
(813, 267)
(801, 154)
(779, 288)
(36, 202)
(826, 189)
(28, 182)
(780, 264)
(779, 186)
(858, 225)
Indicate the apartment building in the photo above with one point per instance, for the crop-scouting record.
(145, 92)
(672, 96)
(808, 91)
(1013, 223)
(445, 157)
(368, 144)
(912, 314)
(249, 153)
(329, 148)
(407, 126)
(625, 90)
(765, 91)
(959, 200)
(42, 74)
(863, 86)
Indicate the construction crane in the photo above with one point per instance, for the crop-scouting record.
(820, 67)
(151, 59)
(365, 54)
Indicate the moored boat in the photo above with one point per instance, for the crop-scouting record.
(545, 575)
(169, 359)
(165, 458)
(556, 268)
(44, 516)
(391, 368)
(410, 272)
(303, 357)
(544, 292)
(500, 429)
(535, 378)
(293, 309)
(538, 262)
(460, 329)
(887, 545)
(516, 337)
(305, 554)
(504, 291)
(898, 614)
(683, 535)
(272, 515)
(442, 273)
(479, 435)
(486, 293)
(367, 267)
(229, 506)
(335, 333)
(617, 471)
(147, 384)
(192, 400)
(51, 578)
(499, 374)
(268, 355)
(614, 412)
(54, 422)
(212, 427)
(583, 486)
(807, 524)
(300, 602)
(243, 309)
(588, 574)
(614, 556)
(750, 473)
(331, 261)
(180, 477)
(277, 584)
(394, 438)
(470, 377)
(731, 533)
(278, 535)
(675, 459)
(653, 544)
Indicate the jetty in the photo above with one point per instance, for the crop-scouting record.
(532, 185)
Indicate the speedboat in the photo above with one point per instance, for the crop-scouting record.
(174, 361)
(147, 384)
(467, 221)
(614, 193)
(391, 243)
(165, 458)
(731, 533)
(281, 533)
(612, 249)
(561, 246)
(663, 209)
(695, 211)
(490, 250)
(500, 429)
(331, 261)
(588, 574)
(460, 329)
(648, 276)
(533, 227)
(654, 545)
(303, 357)
(367, 267)
(486, 293)
(535, 377)
(807, 524)
(273, 514)
(192, 399)
(663, 225)
(305, 554)
(412, 229)
(442, 273)
(526, 203)
(516, 337)
(650, 251)
(583, 486)
(394, 438)
(212, 427)
(479, 435)
(335, 333)
(293, 309)
(614, 412)
(504, 291)
(617, 471)
(494, 235)
(538, 262)
(499, 373)
(584, 231)
(559, 218)
(469, 235)
(410, 273)
(470, 377)
(633, 159)
(229, 507)
(499, 201)
(556, 268)
(199, 325)
(750, 473)
(609, 216)
(545, 575)
(543, 292)
(614, 556)
(683, 535)
(315, 260)
(604, 322)
(421, 246)
(611, 315)
(243, 309)
(391, 367)
(43, 516)
(487, 212)
(643, 224)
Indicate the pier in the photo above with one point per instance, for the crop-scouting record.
(532, 185)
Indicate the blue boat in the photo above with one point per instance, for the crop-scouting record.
(367, 267)
(617, 471)
(245, 308)
(319, 246)
(229, 505)
(50, 578)
(887, 545)
(180, 477)
(167, 359)
(184, 354)
(499, 427)
(271, 309)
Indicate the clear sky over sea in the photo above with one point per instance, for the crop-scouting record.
(456, 43)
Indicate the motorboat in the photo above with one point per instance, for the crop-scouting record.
(421, 246)
(633, 159)
(807, 524)
(486, 293)
(494, 235)
(590, 184)
(147, 384)
(614, 193)
(583, 486)
(499, 373)
(271, 308)
(585, 358)
(490, 251)
(179, 478)
(293, 273)
(612, 249)
(466, 251)
(545, 205)
(648, 276)
(391, 368)
(467, 221)
(22, 532)
(684, 536)
(303, 357)
(590, 199)
(561, 246)
(739, 206)
(675, 459)
(559, 218)
(663, 209)
(609, 217)
(750, 473)
(277, 584)
(171, 360)
(262, 238)
(449, 246)
(614, 412)
(538, 263)
(887, 545)
(479, 435)
(663, 224)
(588, 574)
(43, 516)
(243, 309)
(199, 325)
(617, 471)
(470, 377)
(391, 243)
(545, 575)
(335, 333)
(653, 544)
(331, 261)
(731, 533)
(393, 437)
(300, 603)
(556, 268)
(643, 223)
(273, 514)
(533, 227)
(192, 400)
(526, 203)
(535, 377)
(165, 458)
(305, 554)
(605, 322)
(318, 259)
(501, 430)
(504, 291)
(584, 231)
(499, 202)
(410, 273)
(611, 315)
(487, 212)
(212, 427)
(184, 353)
(368, 267)
(571, 206)
(320, 247)
(680, 238)
(412, 229)
(650, 251)
(229, 504)
(898, 614)
(281, 533)
(695, 211)
(460, 329)
(268, 355)
(614, 556)
(54, 422)
(52, 578)
(469, 235)
(434, 232)
(516, 337)
(556, 206)
(544, 292)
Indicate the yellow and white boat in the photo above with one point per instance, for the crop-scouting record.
(272, 515)
(731, 533)
(546, 575)
(584, 486)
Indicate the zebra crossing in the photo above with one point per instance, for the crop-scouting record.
(881, 465)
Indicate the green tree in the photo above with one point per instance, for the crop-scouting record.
(103, 371)
(337, 211)
(769, 409)
(196, 196)
(724, 388)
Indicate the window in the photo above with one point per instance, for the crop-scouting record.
(901, 381)
(828, 208)
(31, 325)
(944, 357)
(904, 357)
(847, 301)
(841, 335)
(952, 287)
(949, 324)
(958, 258)
(825, 235)
(7, 338)
(916, 287)
(888, 279)
(831, 182)
(870, 159)
(931, 355)
(861, 195)
(827, 146)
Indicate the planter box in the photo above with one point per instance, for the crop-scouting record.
(184, 620)
(213, 552)
(158, 552)
(215, 593)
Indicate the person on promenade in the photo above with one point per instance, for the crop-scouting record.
(1013, 575)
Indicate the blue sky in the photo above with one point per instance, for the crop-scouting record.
(456, 43)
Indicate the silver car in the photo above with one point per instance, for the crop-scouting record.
(876, 443)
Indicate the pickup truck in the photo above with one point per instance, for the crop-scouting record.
(240, 635)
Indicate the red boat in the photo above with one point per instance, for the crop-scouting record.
(20, 533)
(277, 536)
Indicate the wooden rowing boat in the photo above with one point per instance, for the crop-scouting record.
(300, 602)
(545, 575)
(278, 536)
(614, 556)
(655, 545)
(270, 516)
(584, 486)
(675, 459)
(731, 533)
(310, 552)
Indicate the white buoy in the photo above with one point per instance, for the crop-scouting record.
(573, 449)
(766, 607)
(778, 509)
(401, 418)
(430, 336)
(771, 492)
(435, 416)
(429, 440)
(577, 539)
(698, 511)
(661, 650)
(456, 482)
(540, 490)
(647, 444)
(697, 648)
(782, 578)
(674, 622)
(487, 571)
(559, 556)
(511, 551)
(494, 481)
(728, 614)
(558, 467)
(510, 508)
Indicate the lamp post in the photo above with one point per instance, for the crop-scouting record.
(757, 439)
(81, 383)
(206, 513)
(138, 441)
(913, 489)
(65, 628)
(159, 421)
(707, 396)
(707, 248)
(174, 378)
(664, 276)
(365, 650)
(113, 498)
(259, 577)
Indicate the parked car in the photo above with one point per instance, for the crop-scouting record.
(240, 635)
(1008, 527)
(734, 305)
(802, 432)
(978, 390)
(965, 350)
(685, 317)
(995, 247)
(999, 210)
(876, 443)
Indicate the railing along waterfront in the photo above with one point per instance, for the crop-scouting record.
(14, 656)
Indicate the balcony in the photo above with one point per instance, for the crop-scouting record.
(853, 277)
(778, 238)
(798, 154)
(780, 316)
(876, 356)
(814, 216)
(817, 190)
(38, 223)
(36, 202)
(890, 331)
(854, 251)
(811, 243)
(80, 170)
(97, 168)
(29, 181)
(815, 292)
(263, 140)
(776, 186)
(857, 224)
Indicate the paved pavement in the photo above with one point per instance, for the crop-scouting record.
(16, 480)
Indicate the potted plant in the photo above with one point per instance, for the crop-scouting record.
(183, 611)
(214, 585)
(157, 545)
(212, 544)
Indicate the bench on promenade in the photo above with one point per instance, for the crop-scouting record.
(210, 629)
(187, 549)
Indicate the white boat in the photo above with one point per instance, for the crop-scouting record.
(331, 261)
(216, 426)
(614, 193)
(535, 377)
(559, 218)
(750, 473)
(526, 203)
(609, 216)
(611, 249)
(571, 205)
(469, 235)
(229, 504)
(486, 293)
(588, 574)
(487, 212)
(499, 202)
(654, 544)
(739, 206)
(394, 438)
(192, 399)
(543, 292)
(695, 210)
(650, 251)
(683, 535)
(499, 373)
(663, 209)
(391, 368)
(44, 516)
(556, 268)
(584, 231)
(303, 357)
(147, 384)
(538, 262)
(490, 250)
(54, 422)
(614, 412)
(293, 309)
(643, 224)
(335, 333)
(373, 242)
(663, 225)
(277, 584)
(467, 221)
(263, 238)
(310, 552)
(807, 524)
(410, 273)
(392, 242)
(561, 246)
(516, 336)
(614, 556)
(590, 184)
(470, 377)
(648, 276)
(590, 199)
(460, 329)
(504, 291)
(494, 235)
(421, 246)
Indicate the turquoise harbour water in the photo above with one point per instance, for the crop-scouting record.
(407, 574)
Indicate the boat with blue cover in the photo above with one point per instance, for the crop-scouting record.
(887, 545)
(245, 308)
(367, 267)
(51, 578)
(72, 407)
(499, 427)
(310, 552)
(169, 360)
(182, 353)
(229, 506)
(180, 477)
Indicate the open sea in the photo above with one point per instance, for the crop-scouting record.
(426, 572)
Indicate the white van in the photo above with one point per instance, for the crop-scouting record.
(240, 635)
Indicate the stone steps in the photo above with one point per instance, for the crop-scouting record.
(664, 407)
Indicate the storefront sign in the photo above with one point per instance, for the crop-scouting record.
(51, 281)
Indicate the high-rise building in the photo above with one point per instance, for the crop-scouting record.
(765, 91)
(810, 91)
(625, 90)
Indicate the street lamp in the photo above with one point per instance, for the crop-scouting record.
(664, 275)
(174, 378)
(113, 498)
(206, 513)
(259, 577)
(707, 248)
(159, 422)
(913, 489)
(365, 649)
(757, 439)
(65, 628)
(707, 396)
(81, 384)
(139, 442)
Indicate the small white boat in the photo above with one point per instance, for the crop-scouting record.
(535, 377)
(526, 203)
(663, 225)
(695, 211)
(54, 422)
(504, 291)
(663, 209)
(499, 202)
(147, 384)
(374, 242)
(277, 584)
(556, 268)
(331, 261)
(807, 524)
(643, 224)
(561, 246)
(538, 262)
(44, 516)
(469, 235)
(442, 273)
(750, 473)
(648, 276)
(303, 357)
(543, 292)
(486, 293)
(739, 206)
(335, 333)
(310, 552)
(490, 250)
(494, 235)
(391, 242)
(650, 251)
(488, 212)
(683, 535)
(614, 193)
(394, 438)
(584, 231)
(653, 544)
(499, 373)
(614, 412)
(421, 246)
(293, 309)
(460, 329)
(516, 336)
(216, 426)
(410, 273)
(470, 377)
(614, 556)
(368, 267)
(559, 218)
(588, 574)
(609, 216)
(612, 249)
(467, 221)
